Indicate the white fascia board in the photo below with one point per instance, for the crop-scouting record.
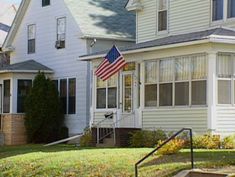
(25, 71)
(88, 58)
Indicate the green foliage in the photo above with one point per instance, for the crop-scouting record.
(229, 142)
(206, 141)
(143, 138)
(86, 139)
(172, 147)
(44, 116)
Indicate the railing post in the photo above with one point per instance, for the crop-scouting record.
(191, 147)
(114, 135)
(136, 170)
(97, 135)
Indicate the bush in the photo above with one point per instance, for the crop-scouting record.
(172, 147)
(228, 142)
(144, 138)
(207, 141)
(86, 139)
(43, 114)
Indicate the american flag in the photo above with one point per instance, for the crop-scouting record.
(111, 64)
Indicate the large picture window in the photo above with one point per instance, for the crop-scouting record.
(31, 38)
(179, 81)
(23, 90)
(106, 93)
(6, 96)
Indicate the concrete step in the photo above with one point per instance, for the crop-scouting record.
(199, 173)
(1, 139)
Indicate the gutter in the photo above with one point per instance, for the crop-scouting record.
(147, 49)
(108, 38)
(25, 71)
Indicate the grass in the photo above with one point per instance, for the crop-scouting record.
(69, 161)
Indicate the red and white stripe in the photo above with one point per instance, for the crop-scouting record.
(101, 67)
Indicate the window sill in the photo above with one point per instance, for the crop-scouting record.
(176, 108)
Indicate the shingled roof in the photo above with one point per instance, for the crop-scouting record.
(103, 18)
(26, 66)
(175, 39)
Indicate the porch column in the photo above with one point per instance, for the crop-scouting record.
(211, 92)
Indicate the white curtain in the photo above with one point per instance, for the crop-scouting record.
(151, 72)
(199, 67)
(182, 68)
(166, 70)
(224, 65)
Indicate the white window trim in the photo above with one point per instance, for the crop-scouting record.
(164, 32)
(173, 86)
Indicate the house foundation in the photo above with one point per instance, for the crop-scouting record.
(13, 129)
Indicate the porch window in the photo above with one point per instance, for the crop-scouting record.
(151, 72)
(162, 15)
(225, 69)
(63, 94)
(31, 38)
(217, 9)
(6, 96)
(72, 96)
(231, 8)
(176, 81)
(23, 90)
(166, 68)
(106, 93)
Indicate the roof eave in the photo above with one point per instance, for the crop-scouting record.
(90, 36)
(147, 49)
(26, 71)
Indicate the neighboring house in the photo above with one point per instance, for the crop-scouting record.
(180, 72)
(7, 14)
(49, 36)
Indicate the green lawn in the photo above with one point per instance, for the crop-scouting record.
(63, 160)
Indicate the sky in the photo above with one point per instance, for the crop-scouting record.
(13, 1)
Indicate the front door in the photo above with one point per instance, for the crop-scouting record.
(127, 92)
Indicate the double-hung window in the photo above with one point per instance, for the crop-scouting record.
(61, 27)
(23, 90)
(67, 95)
(231, 9)
(106, 93)
(162, 15)
(217, 10)
(45, 3)
(31, 38)
(6, 96)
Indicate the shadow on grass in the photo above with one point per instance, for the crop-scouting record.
(200, 156)
(9, 151)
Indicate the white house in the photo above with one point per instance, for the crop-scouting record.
(180, 71)
(50, 35)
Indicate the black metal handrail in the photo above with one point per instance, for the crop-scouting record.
(165, 142)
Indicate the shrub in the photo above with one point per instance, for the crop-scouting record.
(43, 114)
(144, 138)
(229, 142)
(172, 147)
(86, 139)
(207, 141)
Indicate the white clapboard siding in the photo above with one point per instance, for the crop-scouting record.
(146, 21)
(175, 119)
(99, 116)
(225, 122)
(188, 16)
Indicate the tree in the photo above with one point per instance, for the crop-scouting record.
(43, 114)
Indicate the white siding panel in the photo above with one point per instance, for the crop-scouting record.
(146, 21)
(188, 16)
(175, 119)
(225, 120)
(99, 116)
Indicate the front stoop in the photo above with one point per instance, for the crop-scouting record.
(200, 173)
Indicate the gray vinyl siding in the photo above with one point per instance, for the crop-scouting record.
(175, 119)
(225, 122)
